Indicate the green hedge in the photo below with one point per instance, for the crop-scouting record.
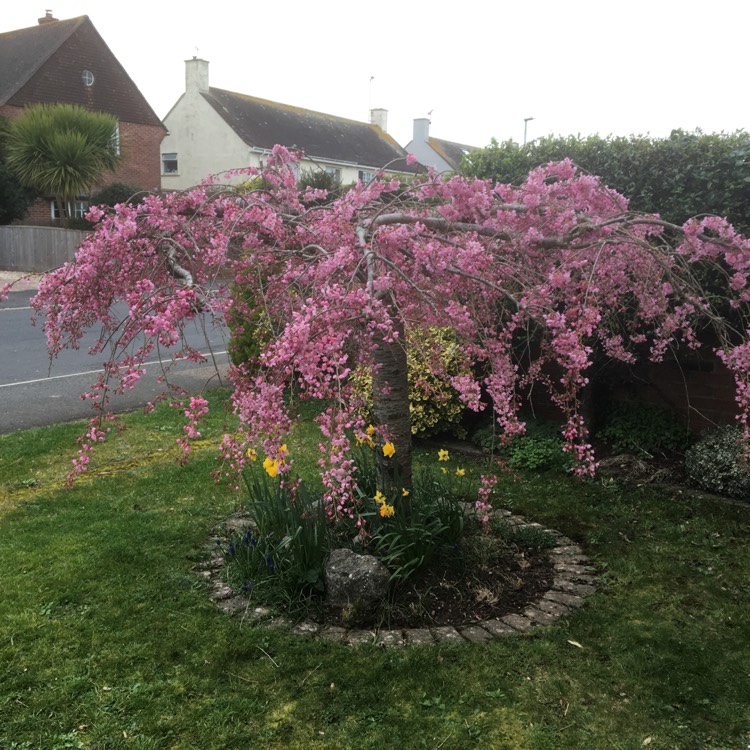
(681, 176)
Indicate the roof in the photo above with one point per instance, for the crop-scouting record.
(453, 153)
(43, 64)
(262, 124)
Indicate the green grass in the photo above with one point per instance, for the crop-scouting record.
(108, 640)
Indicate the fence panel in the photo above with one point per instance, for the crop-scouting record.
(37, 249)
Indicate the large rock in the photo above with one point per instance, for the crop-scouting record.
(357, 583)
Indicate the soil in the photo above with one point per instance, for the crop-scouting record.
(485, 578)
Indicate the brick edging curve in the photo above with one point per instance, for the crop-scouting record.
(574, 580)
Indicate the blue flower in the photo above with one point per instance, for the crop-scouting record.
(230, 551)
(247, 587)
(269, 562)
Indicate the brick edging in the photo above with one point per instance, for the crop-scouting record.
(574, 580)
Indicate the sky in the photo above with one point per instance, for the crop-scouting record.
(478, 69)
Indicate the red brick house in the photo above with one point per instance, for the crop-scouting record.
(68, 62)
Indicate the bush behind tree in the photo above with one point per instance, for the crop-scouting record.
(684, 175)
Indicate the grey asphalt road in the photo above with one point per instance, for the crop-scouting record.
(36, 392)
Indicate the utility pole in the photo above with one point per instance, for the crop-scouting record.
(525, 126)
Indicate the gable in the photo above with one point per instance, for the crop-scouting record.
(262, 124)
(452, 153)
(45, 63)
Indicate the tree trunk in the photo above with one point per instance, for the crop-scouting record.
(390, 401)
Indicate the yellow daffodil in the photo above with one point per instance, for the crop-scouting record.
(370, 430)
(443, 455)
(460, 472)
(283, 449)
(272, 467)
(404, 493)
(444, 470)
(380, 497)
(389, 449)
(386, 511)
(251, 454)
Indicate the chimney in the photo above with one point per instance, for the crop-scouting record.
(196, 75)
(48, 18)
(421, 130)
(379, 117)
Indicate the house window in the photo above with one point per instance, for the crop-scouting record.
(169, 163)
(76, 209)
(334, 172)
(87, 77)
(366, 176)
(115, 140)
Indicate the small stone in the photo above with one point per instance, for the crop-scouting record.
(306, 627)
(279, 623)
(475, 634)
(204, 574)
(568, 550)
(257, 614)
(538, 617)
(391, 638)
(360, 637)
(447, 634)
(563, 566)
(569, 600)
(233, 605)
(563, 584)
(553, 608)
(517, 622)
(220, 591)
(418, 636)
(213, 564)
(498, 628)
(332, 633)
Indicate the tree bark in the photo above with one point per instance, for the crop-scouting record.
(390, 400)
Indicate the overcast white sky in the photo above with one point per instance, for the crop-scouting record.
(480, 66)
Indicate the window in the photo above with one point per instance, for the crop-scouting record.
(169, 163)
(87, 77)
(76, 209)
(334, 172)
(115, 140)
(366, 176)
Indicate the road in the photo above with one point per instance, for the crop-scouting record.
(36, 392)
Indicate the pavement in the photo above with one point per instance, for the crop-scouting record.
(22, 281)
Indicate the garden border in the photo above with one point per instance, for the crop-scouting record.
(574, 580)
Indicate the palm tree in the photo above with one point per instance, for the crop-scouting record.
(62, 150)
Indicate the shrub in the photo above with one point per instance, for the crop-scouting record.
(716, 463)
(539, 449)
(117, 192)
(434, 405)
(644, 429)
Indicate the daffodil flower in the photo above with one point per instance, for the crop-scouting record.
(404, 493)
(251, 454)
(370, 430)
(443, 455)
(389, 449)
(272, 467)
(386, 511)
(380, 497)
(460, 472)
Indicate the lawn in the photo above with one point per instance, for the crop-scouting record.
(108, 639)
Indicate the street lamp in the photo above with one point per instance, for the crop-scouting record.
(525, 126)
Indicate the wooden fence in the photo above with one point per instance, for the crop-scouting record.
(37, 249)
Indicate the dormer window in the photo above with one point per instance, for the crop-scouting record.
(87, 77)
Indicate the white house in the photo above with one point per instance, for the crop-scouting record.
(440, 155)
(211, 131)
